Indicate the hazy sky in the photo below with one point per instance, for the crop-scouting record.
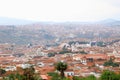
(60, 10)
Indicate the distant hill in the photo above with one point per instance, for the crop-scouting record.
(13, 21)
(109, 22)
(50, 33)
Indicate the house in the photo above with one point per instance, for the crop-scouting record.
(10, 68)
(86, 72)
(83, 60)
(69, 72)
(64, 45)
(26, 66)
(40, 64)
(40, 53)
(91, 57)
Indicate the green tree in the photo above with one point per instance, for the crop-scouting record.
(2, 72)
(29, 73)
(108, 75)
(14, 77)
(76, 78)
(118, 77)
(19, 77)
(61, 66)
(83, 52)
(91, 77)
(51, 54)
(111, 63)
(56, 76)
(11, 77)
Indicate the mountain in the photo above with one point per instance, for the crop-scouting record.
(13, 21)
(50, 33)
(109, 22)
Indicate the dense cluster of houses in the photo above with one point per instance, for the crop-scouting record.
(79, 64)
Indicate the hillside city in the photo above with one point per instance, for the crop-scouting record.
(88, 50)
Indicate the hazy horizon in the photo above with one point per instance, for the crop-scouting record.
(61, 10)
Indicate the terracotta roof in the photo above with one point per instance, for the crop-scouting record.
(94, 56)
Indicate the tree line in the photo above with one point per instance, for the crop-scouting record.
(29, 74)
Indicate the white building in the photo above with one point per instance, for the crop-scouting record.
(10, 68)
(69, 73)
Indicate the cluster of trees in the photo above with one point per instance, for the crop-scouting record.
(109, 75)
(28, 74)
(83, 52)
(56, 76)
(91, 77)
(80, 42)
(14, 77)
(106, 75)
(111, 63)
(2, 72)
(64, 50)
(101, 44)
(61, 67)
(51, 54)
